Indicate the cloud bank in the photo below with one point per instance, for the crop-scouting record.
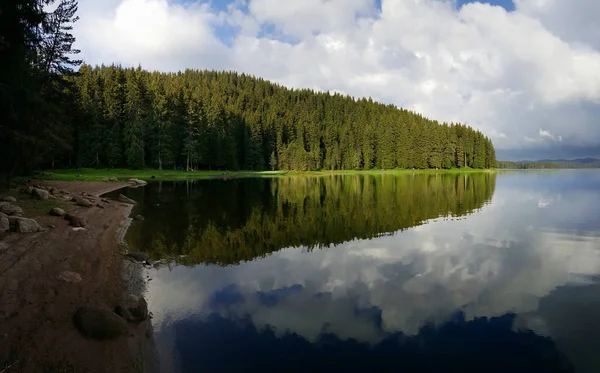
(529, 74)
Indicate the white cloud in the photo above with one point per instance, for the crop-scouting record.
(548, 135)
(506, 73)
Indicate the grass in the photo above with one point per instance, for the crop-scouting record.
(385, 172)
(89, 174)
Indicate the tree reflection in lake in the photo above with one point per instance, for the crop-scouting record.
(225, 222)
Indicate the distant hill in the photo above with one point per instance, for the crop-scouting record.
(577, 160)
(552, 163)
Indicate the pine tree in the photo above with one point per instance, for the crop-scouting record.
(134, 127)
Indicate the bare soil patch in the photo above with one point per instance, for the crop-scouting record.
(37, 305)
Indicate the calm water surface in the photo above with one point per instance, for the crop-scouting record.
(423, 273)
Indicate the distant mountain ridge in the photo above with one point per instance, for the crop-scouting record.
(577, 160)
(551, 163)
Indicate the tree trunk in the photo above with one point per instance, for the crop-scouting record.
(10, 174)
(159, 156)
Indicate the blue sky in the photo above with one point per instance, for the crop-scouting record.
(506, 4)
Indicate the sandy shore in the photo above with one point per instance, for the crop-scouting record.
(36, 307)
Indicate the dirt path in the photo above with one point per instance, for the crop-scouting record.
(36, 308)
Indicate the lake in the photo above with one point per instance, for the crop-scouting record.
(474, 272)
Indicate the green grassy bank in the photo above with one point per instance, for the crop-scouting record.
(90, 174)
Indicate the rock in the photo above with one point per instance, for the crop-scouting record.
(84, 202)
(68, 276)
(25, 225)
(50, 226)
(9, 209)
(124, 199)
(137, 182)
(57, 212)
(54, 191)
(122, 247)
(29, 190)
(75, 221)
(84, 193)
(139, 217)
(133, 308)
(40, 194)
(140, 257)
(51, 196)
(104, 200)
(99, 205)
(4, 224)
(3, 215)
(112, 179)
(100, 324)
(9, 199)
(105, 179)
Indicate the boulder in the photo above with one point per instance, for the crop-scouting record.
(139, 257)
(124, 199)
(68, 276)
(24, 225)
(112, 179)
(9, 209)
(4, 224)
(54, 191)
(57, 212)
(105, 179)
(9, 199)
(84, 202)
(100, 324)
(137, 182)
(40, 194)
(75, 221)
(52, 196)
(133, 308)
(3, 215)
(139, 217)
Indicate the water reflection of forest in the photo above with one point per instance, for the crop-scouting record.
(225, 222)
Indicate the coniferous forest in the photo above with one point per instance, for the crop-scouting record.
(58, 113)
(224, 120)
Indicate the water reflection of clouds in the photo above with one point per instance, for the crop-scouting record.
(502, 259)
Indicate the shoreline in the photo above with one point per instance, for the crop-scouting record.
(89, 174)
(36, 306)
